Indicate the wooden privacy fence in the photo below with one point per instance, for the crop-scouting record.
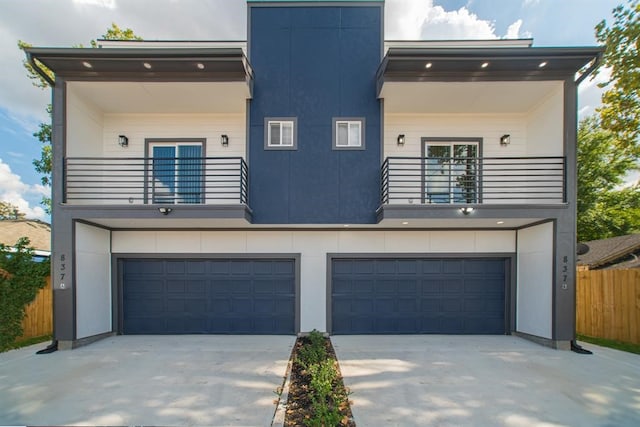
(38, 320)
(608, 304)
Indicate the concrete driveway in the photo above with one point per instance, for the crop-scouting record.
(434, 380)
(146, 380)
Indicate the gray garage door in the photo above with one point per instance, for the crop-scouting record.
(208, 296)
(418, 296)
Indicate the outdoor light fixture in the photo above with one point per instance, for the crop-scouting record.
(123, 141)
(165, 211)
(401, 140)
(466, 210)
(505, 139)
(224, 140)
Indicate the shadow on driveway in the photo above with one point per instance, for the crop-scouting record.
(146, 380)
(486, 381)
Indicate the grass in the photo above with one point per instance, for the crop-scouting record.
(617, 345)
(29, 341)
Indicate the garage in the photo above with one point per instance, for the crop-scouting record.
(418, 295)
(208, 296)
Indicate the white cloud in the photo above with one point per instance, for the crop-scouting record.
(530, 2)
(513, 32)
(421, 19)
(14, 191)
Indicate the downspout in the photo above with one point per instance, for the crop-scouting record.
(575, 347)
(31, 60)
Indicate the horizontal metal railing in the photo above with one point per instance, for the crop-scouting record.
(146, 180)
(473, 180)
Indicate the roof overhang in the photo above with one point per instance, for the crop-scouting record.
(148, 64)
(445, 64)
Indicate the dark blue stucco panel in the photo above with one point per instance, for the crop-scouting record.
(314, 63)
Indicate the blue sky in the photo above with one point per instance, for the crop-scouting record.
(70, 22)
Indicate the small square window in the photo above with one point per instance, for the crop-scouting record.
(280, 134)
(348, 134)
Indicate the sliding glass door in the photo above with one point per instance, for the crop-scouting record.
(177, 173)
(450, 172)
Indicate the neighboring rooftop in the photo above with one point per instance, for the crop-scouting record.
(38, 232)
(615, 252)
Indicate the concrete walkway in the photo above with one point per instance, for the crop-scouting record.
(146, 380)
(435, 380)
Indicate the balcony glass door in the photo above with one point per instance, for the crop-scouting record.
(451, 172)
(177, 173)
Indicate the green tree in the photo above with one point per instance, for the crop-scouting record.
(20, 280)
(620, 111)
(43, 164)
(10, 211)
(605, 207)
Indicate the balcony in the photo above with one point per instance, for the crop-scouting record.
(446, 181)
(155, 180)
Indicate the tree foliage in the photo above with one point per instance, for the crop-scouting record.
(620, 111)
(10, 211)
(605, 207)
(20, 280)
(43, 164)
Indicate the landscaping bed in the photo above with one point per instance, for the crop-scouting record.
(317, 396)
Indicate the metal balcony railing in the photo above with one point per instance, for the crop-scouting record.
(473, 180)
(146, 180)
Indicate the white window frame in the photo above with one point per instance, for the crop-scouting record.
(349, 121)
(269, 121)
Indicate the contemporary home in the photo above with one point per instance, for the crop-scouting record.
(315, 176)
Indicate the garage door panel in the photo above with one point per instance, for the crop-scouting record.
(407, 267)
(196, 267)
(452, 286)
(146, 267)
(196, 286)
(452, 266)
(451, 305)
(209, 296)
(219, 267)
(385, 286)
(448, 295)
(431, 266)
(175, 267)
(408, 305)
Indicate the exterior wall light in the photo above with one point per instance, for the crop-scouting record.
(123, 141)
(466, 210)
(401, 139)
(224, 140)
(505, 139)
(165, 211)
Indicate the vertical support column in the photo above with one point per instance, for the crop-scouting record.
(564, 292)
(62, 235)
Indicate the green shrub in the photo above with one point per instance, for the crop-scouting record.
(323, 400)
(314, 351)
(20, 280)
